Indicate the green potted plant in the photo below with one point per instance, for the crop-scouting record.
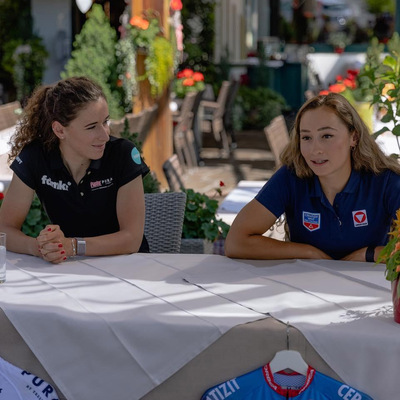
(187, 81)
(390, 255)
(201, 227)
(383, 80)
(148, 40)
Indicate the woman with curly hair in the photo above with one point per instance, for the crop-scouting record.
(338, 191)
(89, 183)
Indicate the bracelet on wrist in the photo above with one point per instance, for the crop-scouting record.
(73, 243)
(370, 254)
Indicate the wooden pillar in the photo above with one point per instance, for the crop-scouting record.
(158, 145)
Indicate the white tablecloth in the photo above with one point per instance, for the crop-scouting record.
(132, 321)
(114, 327)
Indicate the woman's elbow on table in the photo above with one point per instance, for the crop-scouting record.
(236, 244)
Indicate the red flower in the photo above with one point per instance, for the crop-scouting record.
(176, 5)
(188, 82)
(119, 83)
(352, 73)
(324, 92)
(221, 184)
(139, 22)
(1, 195)
(198, 76)
(349, 83)
(337, 88)
(186, 73)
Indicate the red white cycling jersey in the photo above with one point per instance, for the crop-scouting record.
(262, 384)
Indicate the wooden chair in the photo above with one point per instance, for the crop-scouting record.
(174, 173)
(150, 114)
(278, 137)
(196, 124)
(213, 117)
(117, 127)
(228, 114)
(164, 221)
(9, 114)
(135, 121)
(139, 123)
(184, 141)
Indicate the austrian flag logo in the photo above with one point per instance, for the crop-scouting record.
(360, 218)
(312, 221)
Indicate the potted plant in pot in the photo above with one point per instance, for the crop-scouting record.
(390, 255)
(201, 228)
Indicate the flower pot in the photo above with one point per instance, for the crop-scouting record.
(196, 246)
(396, 300)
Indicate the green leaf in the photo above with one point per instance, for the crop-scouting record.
(396, 130)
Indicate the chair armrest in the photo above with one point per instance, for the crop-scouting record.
(209, 104)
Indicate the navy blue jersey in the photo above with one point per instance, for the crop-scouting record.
(360, 216)
(261, 384)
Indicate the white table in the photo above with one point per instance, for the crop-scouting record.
(237, 198)
(171, 324)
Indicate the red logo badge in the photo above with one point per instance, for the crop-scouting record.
(360, 218)
(311, 221)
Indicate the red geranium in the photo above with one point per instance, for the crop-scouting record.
(188, 82)
(341, 84)
(139, 22)
(185, 73)
(176, 5)
(198, 76)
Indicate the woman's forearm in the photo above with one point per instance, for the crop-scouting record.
(18, 242)
(121, 242)
(262, 247)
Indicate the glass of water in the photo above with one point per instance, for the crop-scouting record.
(2, 257)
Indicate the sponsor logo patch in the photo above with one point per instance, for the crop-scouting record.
(312, 221)
(60, 185)
(136, 156)
(101, 184)
(360, 218)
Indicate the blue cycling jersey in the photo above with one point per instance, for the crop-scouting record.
(360, 216)
(262, 384)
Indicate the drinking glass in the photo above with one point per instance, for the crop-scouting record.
(2, 257)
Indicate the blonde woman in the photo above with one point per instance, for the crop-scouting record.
(339, 192)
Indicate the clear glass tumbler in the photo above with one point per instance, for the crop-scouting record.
(2, 257)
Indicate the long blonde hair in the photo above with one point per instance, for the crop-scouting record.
(366, 155)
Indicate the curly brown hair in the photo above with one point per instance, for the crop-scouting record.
(59, 102)
(366, 155)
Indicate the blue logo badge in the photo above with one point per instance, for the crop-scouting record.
(136, 156)
(312, 221)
